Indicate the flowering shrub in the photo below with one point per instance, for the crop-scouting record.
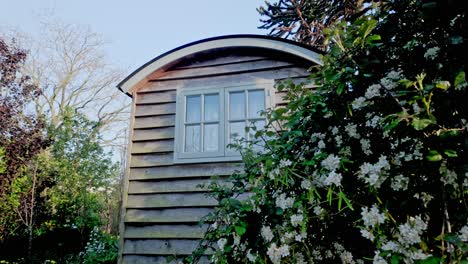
(101, 248)
(371, 165)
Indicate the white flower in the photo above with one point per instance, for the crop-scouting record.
(236, 240)
(306, 184)
(300, 258)
(359, 103)
(346, 257)
(274, 173)
(374, 121)
(372, 91)
(221, 243)
(284, 202)
(338, 247)
(463, 235)
(390, 246)
(285, 163)
(400, 182)
(351, 129)
(321, 144)
(424, 197)
(365, 146)
(331, 163)
(316, 254)
(409, 233)
(378, 259)
(431, 53)
(391, 80)
(300, 237)
(419, 255)
(449, 177)
(296, 219)
(250, 257)
(375, 174)
(276, 253)
(266, 233)
(338, 141)
(335, 130)
(367, 234)
(416, 108)
(333, 178)
(372, 217)
(318, 210)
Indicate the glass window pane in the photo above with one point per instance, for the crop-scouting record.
(256, 103)
(193, 108)
(237, 105)
(236, 131)
(258, 142)
(192, 138)
(210, 137)
(211, 107)
(258, 124)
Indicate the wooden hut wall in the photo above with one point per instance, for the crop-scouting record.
(163, 201)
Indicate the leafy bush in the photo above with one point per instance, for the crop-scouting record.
(370, 165)
(101, 248)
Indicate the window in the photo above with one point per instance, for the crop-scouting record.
(210, 119)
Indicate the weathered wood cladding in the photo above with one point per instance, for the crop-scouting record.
(166, 201)
(142, 259)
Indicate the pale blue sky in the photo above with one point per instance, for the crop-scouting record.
(137, 31)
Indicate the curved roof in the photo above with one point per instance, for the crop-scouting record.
(229, 41)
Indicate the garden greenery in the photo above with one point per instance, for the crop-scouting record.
(370, 165)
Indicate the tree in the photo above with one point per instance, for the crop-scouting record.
(306, 20)
(68, 63)
(84, 173)
(371, 166)
(64, 190)
(21, 134)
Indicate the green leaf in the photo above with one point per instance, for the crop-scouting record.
(444, 85)
(450, 153)
(392, 124)
(240, 230)
(433, 156)
(330, 195)
(348, 202)
(395, 259)
(420, 124)
(340, 199)
(460, 79)
(373, 38)
(431, 260)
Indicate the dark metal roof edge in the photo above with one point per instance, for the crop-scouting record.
(211, 39)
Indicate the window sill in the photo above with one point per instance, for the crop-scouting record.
(207, 159)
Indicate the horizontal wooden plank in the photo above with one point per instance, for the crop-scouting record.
(245, 66)
(148, 160)
(153, 146)
(155, 109)
(139, 259)
(154, 121)
(166, 231)
(186, 170)
(160, 246)
(153, 134)
(157, 97)
(169, 200)
(171, 186)
(208, 62)
(173, 215)
(224, 81)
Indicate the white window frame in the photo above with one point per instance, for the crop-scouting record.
(224, 153)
